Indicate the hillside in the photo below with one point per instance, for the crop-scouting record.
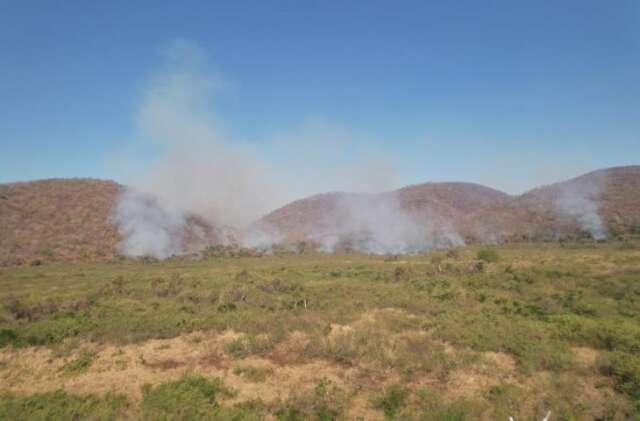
(62, 219)
(57, 218)
(437, 207)
(566, 208)
(481, 214)
(69, 219)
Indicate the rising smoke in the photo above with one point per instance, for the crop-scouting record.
(208, 186)
(204, 170)
(577, 201)
(147, 227)
(378, 224)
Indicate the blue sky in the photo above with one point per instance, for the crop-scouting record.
(507, 93)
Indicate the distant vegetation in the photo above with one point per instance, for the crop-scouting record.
(464, 334)
(488, 255)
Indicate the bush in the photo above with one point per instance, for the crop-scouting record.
(325, 402)
(488, 255)
(625, 370)
(391, 400)
(189, 398)
(8, 337)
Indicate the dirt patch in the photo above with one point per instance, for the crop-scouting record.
(127, 368)
(164, 364)
(494, 368)
(585, 356)
(360, 409)
(215, 360)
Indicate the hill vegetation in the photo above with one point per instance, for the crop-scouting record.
(57, 219)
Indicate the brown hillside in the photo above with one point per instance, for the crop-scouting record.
(428, 203)
(615, 193)
(68, 219)
(57, 219)
(61, 219)
(482, 214)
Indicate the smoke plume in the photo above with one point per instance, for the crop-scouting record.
(378, 224)
(577, 200)
(204, 171)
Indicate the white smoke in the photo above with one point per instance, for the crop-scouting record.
(205, 171)
(146, 227)
(378, 224)
(577, 200)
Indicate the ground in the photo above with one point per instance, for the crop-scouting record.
(469, 333)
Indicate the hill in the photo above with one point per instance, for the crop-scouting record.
(69, 219)
(596, 204)
(57, 218)
(601, 203)
(63, 219)
(410, 218)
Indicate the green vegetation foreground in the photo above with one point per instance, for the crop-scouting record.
(469, 333)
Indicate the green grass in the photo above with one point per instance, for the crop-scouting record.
(533, 302)
(63, 406)
(81, 363)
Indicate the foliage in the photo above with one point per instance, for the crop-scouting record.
(191, 397)
(61, 405)
(391, 400)
(488, 255)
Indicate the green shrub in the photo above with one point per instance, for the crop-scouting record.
(488, 255)
(189, 398)
(8, 337)
(391, 400)
(325, 402)
(625, 370)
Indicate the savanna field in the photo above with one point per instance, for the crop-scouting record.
(461, 334)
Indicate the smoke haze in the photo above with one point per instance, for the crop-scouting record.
(577, 201)
(203, 170)
(379, 225)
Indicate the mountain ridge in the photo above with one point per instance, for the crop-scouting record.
(72, 218)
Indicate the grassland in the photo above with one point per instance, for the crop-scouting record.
(469, 333)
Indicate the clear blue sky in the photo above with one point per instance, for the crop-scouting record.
(507, 93)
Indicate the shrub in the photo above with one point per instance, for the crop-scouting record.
(8, 337)
(391, 400)
(625, 370)
(488, 255)
(324, 402)
(189, 398)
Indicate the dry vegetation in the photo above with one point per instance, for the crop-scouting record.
(57, 220)
(470, 333)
